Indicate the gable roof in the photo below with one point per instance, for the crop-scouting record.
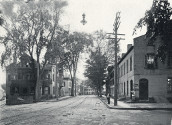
(126, 54)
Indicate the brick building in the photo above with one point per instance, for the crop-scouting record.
(21, 81)
(141, 73)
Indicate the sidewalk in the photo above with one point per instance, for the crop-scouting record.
(136, 106)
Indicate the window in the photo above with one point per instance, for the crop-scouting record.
(131, 63)
(170, 59)
(119, 72)
(24, 90)
(127, 66)
(46, 90)
(53, 77)
(124, 88)
(20, 76)
(28, 77)
(14, 89)
(14, 77)
(48, 76)
(169, 85)
(9, 77)
(127, 87)
(32, 90)
(150, 61)
(124, 68)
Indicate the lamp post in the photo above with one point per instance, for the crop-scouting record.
(83, 21)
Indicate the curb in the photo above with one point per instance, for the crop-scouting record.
(133, 108)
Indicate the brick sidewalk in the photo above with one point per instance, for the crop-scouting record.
(136, 106)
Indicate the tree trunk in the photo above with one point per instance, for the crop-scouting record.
(100, 91)
(37, 87)
(72, 90)
(74, 79)
(57, 90)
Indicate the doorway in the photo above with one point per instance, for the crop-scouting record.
(131, 88)
(143, 89)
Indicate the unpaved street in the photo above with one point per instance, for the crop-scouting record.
(80, 110)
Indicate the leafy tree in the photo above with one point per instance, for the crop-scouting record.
(31, 28)
(96, 65)
(75, 44)
(157, 20)
(89, 83)
(106, 46)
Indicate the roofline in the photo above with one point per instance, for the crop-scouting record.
(131, 48)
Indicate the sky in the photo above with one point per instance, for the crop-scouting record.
(100, 14)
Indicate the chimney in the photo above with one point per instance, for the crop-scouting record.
(129, 46)
(123, 54)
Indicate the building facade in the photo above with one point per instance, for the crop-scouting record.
(142, 74)
(66, 85)
(89, 91)
(21, 81)
(49, 84)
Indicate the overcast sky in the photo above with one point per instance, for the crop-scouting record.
(100, 14)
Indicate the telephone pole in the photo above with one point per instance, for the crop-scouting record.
(116, 39)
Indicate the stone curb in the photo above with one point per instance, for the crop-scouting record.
(133, 108)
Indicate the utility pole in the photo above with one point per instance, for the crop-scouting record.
(115, 33)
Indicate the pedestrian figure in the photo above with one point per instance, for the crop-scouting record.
(108, 98)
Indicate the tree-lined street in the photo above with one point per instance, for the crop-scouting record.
(80, 110)
(62, 62)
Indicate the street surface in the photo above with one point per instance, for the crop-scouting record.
(80, 110)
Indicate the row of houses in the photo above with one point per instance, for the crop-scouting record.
(141, 74)
(21, 81)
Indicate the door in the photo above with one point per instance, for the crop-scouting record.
(143, 89)
(131, 88)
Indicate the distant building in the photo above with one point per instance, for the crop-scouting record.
(67, 84)
(48, 82)
(89, 91)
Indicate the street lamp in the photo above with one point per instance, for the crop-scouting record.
(83, 21)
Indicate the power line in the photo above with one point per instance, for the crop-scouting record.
(116, 39)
